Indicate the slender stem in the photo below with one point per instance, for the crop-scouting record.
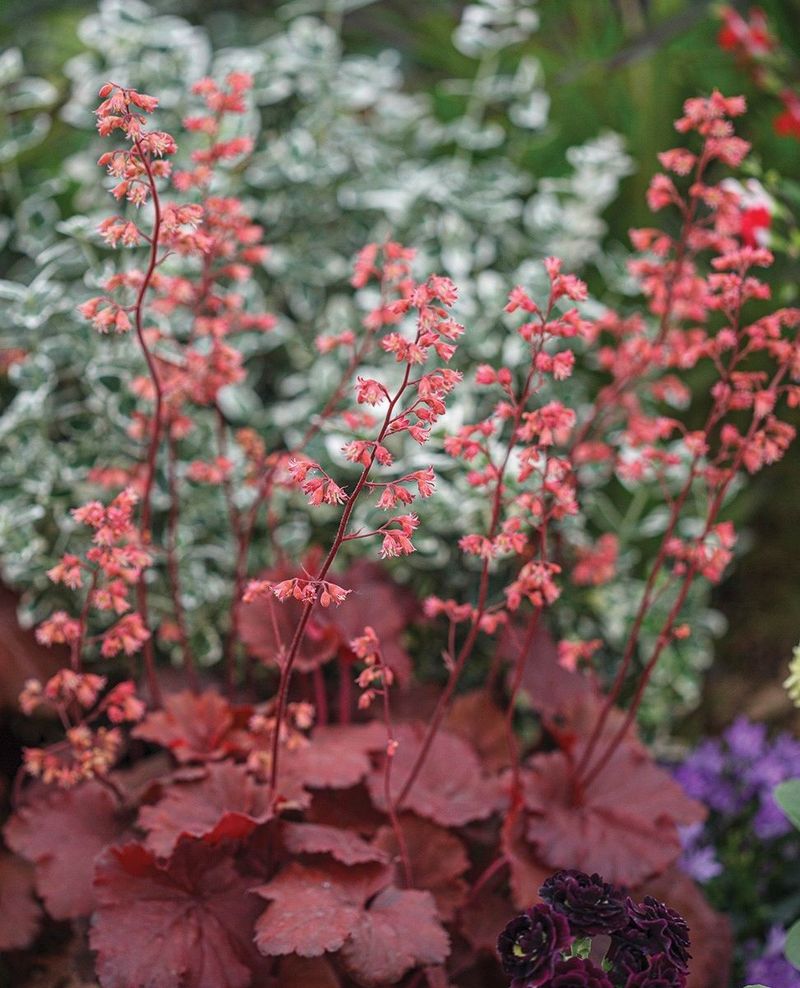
(391, 807)
(519, 669)
(246, 529)
(666, 631)
(302, 624)
(345, 693)
(76, 651)
(157, 427)
(173, 569)
(485, 877)
(480, 608)
(320, 696)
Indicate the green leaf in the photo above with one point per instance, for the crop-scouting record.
(787, 796)
(792, 948)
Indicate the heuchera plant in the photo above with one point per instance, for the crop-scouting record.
(263, 834)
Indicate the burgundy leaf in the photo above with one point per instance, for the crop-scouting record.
(349, 808)
(527, 873)
(227, 803)
(450, 789)
(477, 719)
(314, 909)
(624, 826)
(400, 930)
(307, 972)
(336, 757)
(18, 907)
(61, 832)
(438, 861)
(266, 625)
(183, 923)
(376, 600)
(21, 655)
(195, 727)
(548, 686)
(483, 918)
(343, 845)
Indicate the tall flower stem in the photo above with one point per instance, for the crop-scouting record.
(157, 426)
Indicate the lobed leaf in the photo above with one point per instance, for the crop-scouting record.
(398, 931)
(61, 832)
(183, 923)
(451, 788)
(227, 803)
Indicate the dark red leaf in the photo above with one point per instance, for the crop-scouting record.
(18, 907)
(315, 909)
(450, 789)
(438, 861)
(482, 920)
(337, 757)
(349, 808)
(21, 656)
(227, 803)
(266, 625)
(61, 832)
(343, 845)
(477, 719)
(625, 825)
(195, 727)
(376, 600)
(548, 686)
(184, 923)
(307, 972)
(399, 931)
(527, 873)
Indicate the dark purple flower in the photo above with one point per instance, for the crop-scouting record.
(531, 945)
(579, 972)
(659, 973)
(591, 905)
(653, 928)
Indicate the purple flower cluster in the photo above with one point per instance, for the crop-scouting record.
(647, 943)
(771, 967)
(736, 775)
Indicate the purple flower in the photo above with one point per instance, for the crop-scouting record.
(746, 739)
(531, 945)
(701, 864)
(703, 776)
(591, 905)
(770, 821)
(579, 972)
(772, 968)
(659, 973)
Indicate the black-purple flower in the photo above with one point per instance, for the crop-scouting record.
(653, 928)
(530, 946)
(659, 973)
(591, 905)
(578, 972)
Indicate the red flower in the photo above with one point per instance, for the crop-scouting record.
(787, 124)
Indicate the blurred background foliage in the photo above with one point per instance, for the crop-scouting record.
(487, 134)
